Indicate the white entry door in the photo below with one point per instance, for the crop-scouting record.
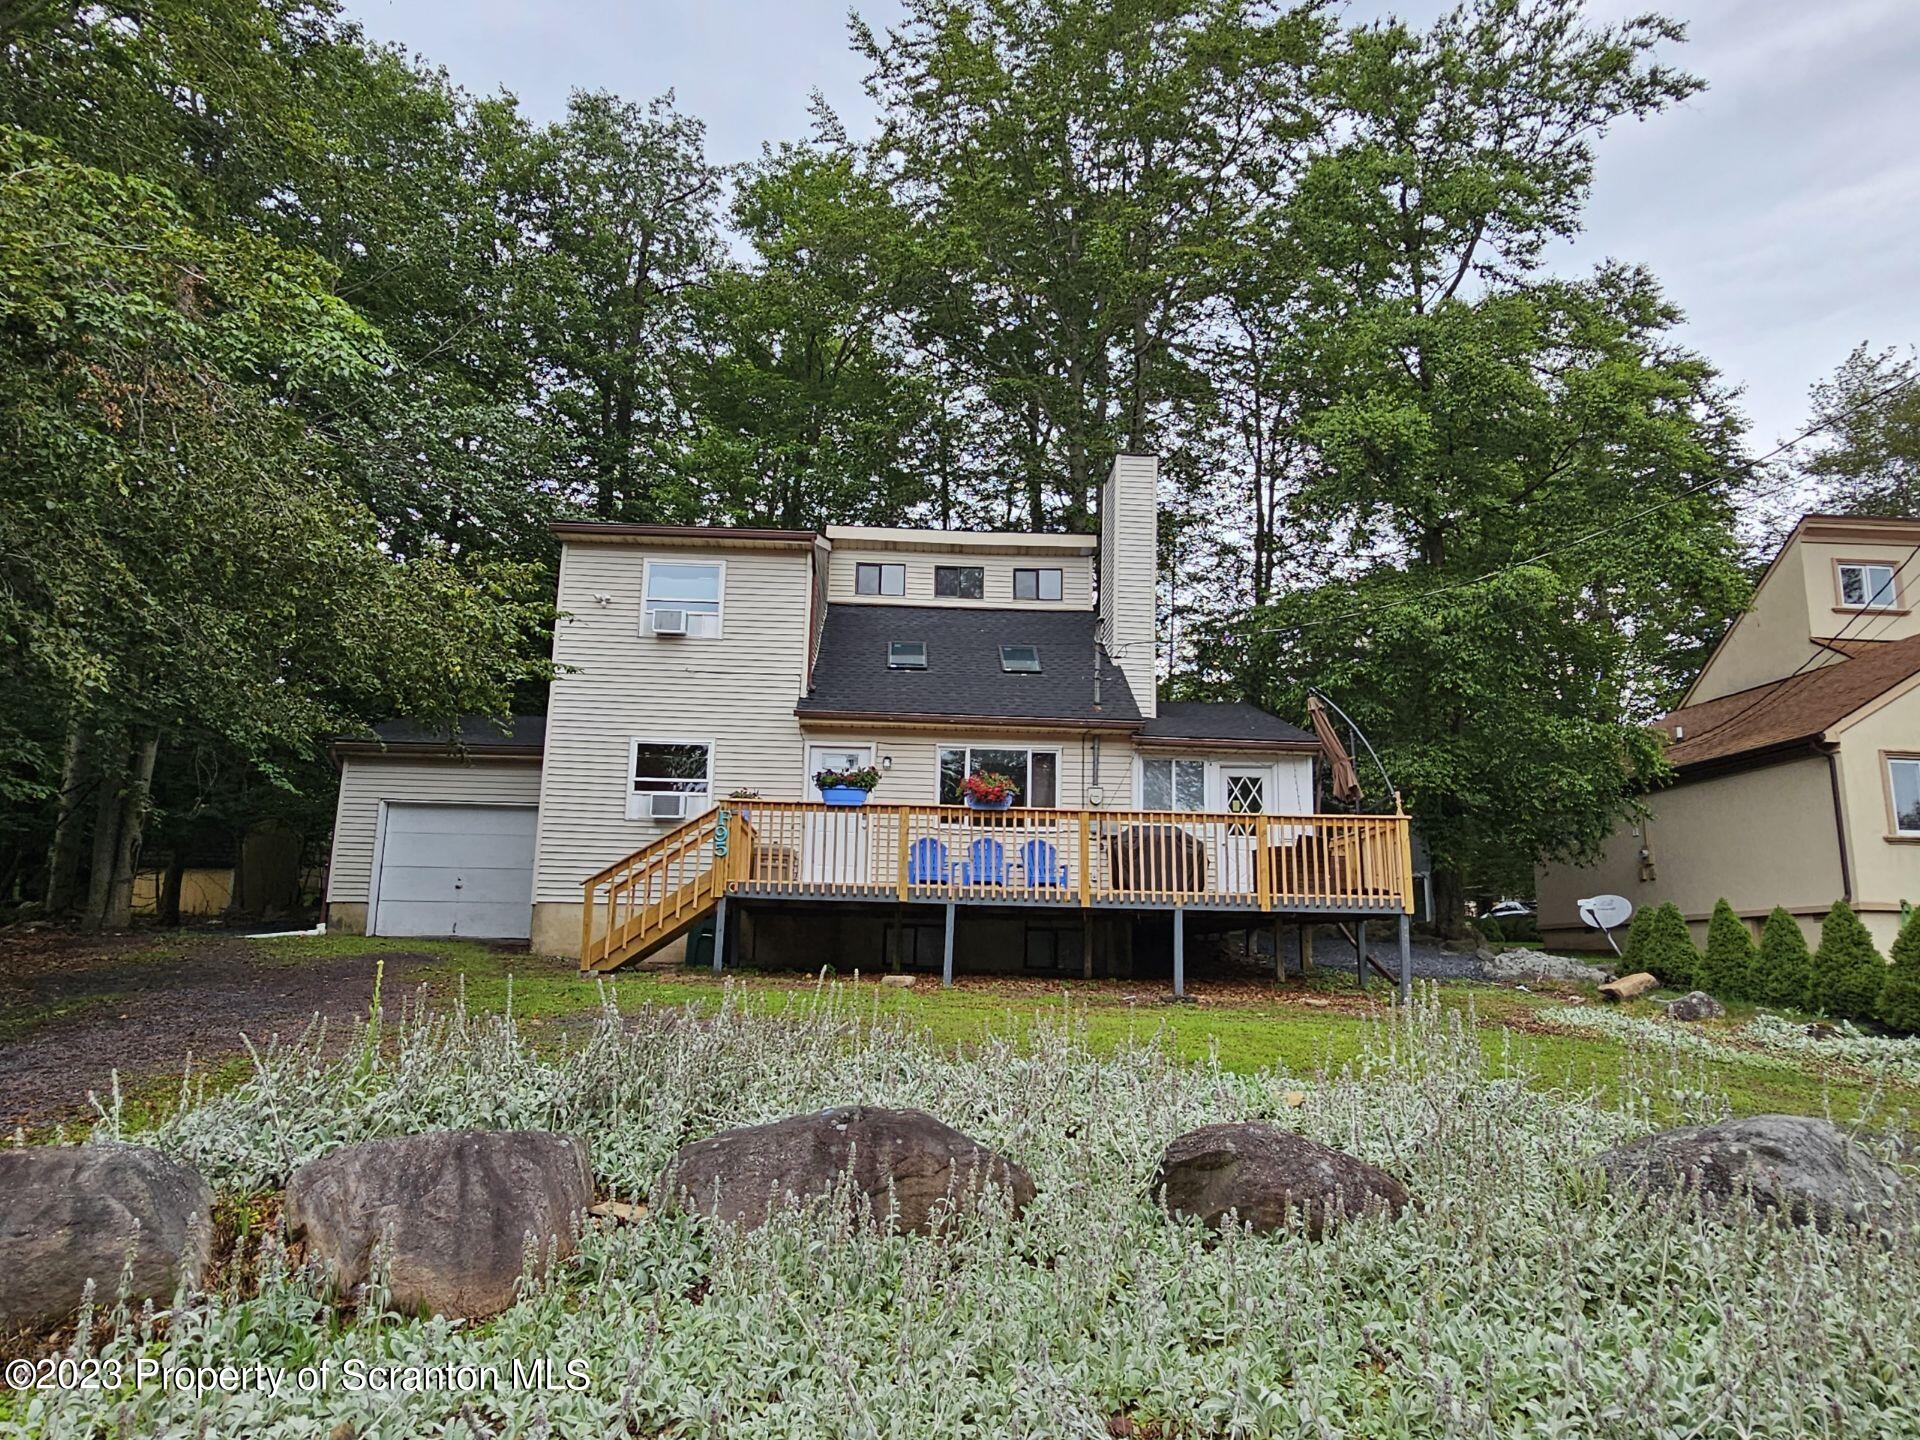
(1243, 791)
(456, 870)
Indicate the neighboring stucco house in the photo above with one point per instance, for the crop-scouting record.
(705, 674)
(1796, 751)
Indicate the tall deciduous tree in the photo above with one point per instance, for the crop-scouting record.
(1518, 474)
(1870, 464)
(177, 557)
(808, 409)
(1083, 169)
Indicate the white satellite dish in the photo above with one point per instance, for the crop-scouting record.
(1606, 913)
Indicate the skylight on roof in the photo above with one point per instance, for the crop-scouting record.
(907, 655)
(1020, 659)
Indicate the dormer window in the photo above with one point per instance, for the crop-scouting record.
(1036, 584)
(959, 582)
(879, 579)
(906, 654)
(1020, 659)
(1867, 586)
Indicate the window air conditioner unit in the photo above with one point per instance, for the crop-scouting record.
(667, 622)
(667, 806)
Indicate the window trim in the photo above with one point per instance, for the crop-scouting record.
(634, 742)
(646, 592)
(1888, 759)
(1207, 772)
(882, 566)
(1893, 567)
(1019, 801)
(1037, 571)
(926, 655)
(981, 570)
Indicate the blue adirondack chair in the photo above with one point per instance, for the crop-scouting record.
(1043, 864)
(927, 863)
(986, 863)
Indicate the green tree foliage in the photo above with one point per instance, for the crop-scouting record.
(1727, 969)
(1783, 972)
(807, 409)
(1662, 945)
(1479, 447)
(179, 558)
(1899, 1003)
(1847, 970)
(1083, 169)
(1871, 462)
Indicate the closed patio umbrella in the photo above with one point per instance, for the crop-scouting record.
(1343, 779)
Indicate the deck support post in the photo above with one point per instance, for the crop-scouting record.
(1406, 957)
(719, 934)
(1306, 949)
(946, 957)
(1360, 949)
(1179, 952)
(1279, 954)
(897, 960)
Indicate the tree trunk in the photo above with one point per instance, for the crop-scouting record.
(1450, 903)
(69, 828)
(111, 772)
(168, 907)
(133, 819)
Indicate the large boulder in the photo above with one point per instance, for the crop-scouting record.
(1271, 1178)
(70, 1214)
(453, 1213)
(1696, 1005)
(1806, 1169)
(899, 1163)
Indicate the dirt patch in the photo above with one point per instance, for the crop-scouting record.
(79, 1008)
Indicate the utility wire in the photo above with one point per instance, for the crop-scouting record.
(1746, 468)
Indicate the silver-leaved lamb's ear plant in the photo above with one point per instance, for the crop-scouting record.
(1514, 1297)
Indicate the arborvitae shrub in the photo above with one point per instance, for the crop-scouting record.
(1847, 971)
(1488, 926)
(1900, 996)
(1783, 974)
(1726, 970)
(1637, 929)
(1664, 947)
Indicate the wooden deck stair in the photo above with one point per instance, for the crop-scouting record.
(659, 892)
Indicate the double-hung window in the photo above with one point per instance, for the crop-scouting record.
(694, 587)
(1903, 786)
(879, 579)
(1172, 784)
(1035, 773)
(681, 768)
(1865, 586)
(1036, 584)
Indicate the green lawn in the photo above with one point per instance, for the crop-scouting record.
(1247, 1031)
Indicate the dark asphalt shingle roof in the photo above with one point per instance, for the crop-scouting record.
(471, 732)
(963, 677)
(1233, 721)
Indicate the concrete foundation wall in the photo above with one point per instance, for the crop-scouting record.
(346, 917)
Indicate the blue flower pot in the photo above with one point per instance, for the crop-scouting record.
(843, 795)
(1005, 802)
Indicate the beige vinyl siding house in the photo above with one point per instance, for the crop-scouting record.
(1785, 751)
(704, 671)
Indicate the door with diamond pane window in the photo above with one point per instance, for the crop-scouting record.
(1243, 792)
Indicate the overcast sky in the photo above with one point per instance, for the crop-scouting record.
(1781, 208)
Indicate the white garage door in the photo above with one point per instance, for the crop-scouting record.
(456, 870)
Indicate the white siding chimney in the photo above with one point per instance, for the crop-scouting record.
(1129, 552)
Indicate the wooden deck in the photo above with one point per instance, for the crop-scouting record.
(1331, 865)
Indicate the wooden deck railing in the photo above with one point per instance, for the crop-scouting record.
(1075, 857)
(910, 853)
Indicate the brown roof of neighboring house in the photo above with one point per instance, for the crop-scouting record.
(1787, 712)
(1849, 647)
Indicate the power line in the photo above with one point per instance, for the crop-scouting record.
(1747, 467)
